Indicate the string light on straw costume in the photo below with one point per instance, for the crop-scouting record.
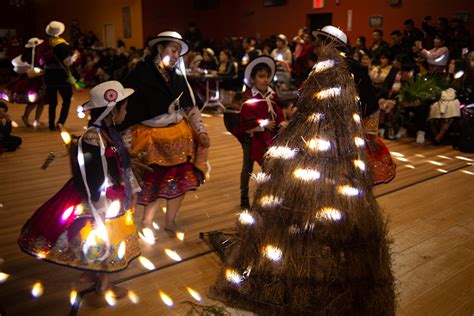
(261, 177)
(233, 276)
(245, 218)
(270, 201)
(323, 65)
(273, 253)
(410, 166)
(281, 152)
(166, 299)
(463, 171)
(356, 118)
(359, 141)
(306, 174)
(328, 93)
(315, 117)
(348, 190)
(359, 164)
(318, 144)
(329, 213)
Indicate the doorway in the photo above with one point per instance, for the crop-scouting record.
(319, 20)
(109, 35)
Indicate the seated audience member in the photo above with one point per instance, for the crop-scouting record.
(379, 73)
(208, 62)
(8, 142)
(443, 113)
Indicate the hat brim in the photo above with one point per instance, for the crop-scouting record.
(259, 60)
(126, 93)
(62, 28)
(183, 43)
(319, 33)
(39, 43)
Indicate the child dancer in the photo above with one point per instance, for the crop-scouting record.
(88, 224)
(259, 119)
(28, 87)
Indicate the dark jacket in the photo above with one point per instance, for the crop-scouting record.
(152, 94)
(364, 86)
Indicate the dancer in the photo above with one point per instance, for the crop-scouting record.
(167, 126)
(28, 87)
(58, 77)
(88, 225)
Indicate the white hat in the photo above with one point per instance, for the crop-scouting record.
(332, 32)
(33, 42)
(107, 93)
(55, 28)
(283, 38)
(259, 60)
(170, 36)
(210, 51)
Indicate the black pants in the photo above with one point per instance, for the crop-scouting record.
(10, 143)
(247, 168)
(52, 94)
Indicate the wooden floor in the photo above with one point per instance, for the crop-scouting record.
(430, 206)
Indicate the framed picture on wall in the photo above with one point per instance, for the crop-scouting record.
(127, 22)
(375, 21)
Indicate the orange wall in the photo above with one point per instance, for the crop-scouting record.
(92, 15)
(246, 17)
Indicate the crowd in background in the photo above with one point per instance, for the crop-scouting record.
(391, 60)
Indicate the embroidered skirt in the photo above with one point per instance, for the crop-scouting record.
(23, 90)
(178, 164)
(60, 232)
(381, 163)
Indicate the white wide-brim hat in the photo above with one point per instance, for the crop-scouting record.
(108, 93)
(55, 28)
(33, 42)
(334, 33)
(173, 37)
(259, 60)
(283, 38)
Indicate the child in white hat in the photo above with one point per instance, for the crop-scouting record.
(88, 225)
